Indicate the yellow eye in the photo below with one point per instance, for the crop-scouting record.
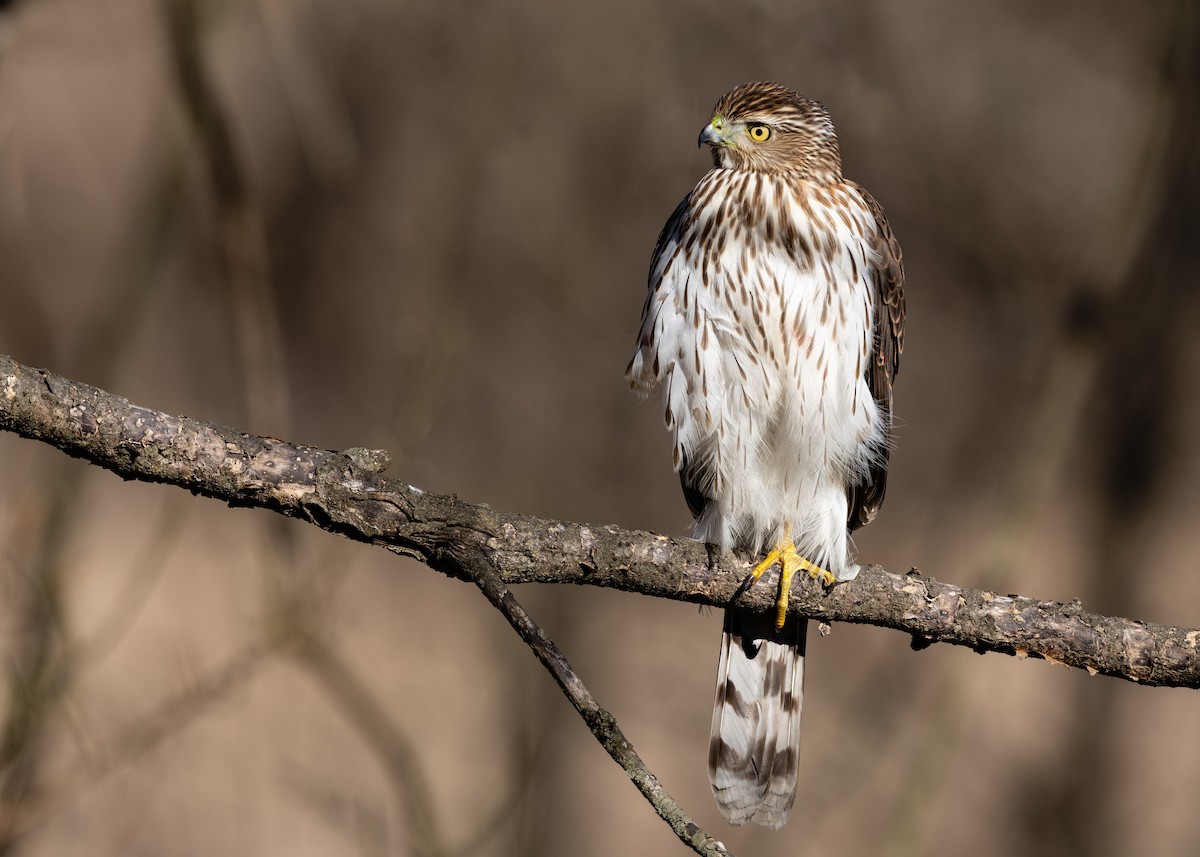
(759, 133)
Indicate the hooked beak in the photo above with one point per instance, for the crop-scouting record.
(711, 136)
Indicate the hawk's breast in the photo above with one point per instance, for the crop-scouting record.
(758, 324)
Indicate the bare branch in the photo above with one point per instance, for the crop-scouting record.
(247, 470)
(603, 725)
(343, 492)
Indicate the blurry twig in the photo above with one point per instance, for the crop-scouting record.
(505, 808)
(239, 224)
(400, 756)
(39, 670)
(261, 359)
(366, 826)
(43, 661)
(297, 600)
(322, 121)
(146, 735)
(139, 582)
(1148, 315)
(401, 760)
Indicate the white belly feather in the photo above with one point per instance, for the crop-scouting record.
(760, 340)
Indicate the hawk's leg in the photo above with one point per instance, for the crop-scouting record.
(789, 561)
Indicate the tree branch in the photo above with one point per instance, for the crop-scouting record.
(343, 492)
(603, 725)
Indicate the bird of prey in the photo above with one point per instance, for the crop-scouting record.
(774, 325)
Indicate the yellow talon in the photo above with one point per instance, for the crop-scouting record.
(826, 577)
(789, 561)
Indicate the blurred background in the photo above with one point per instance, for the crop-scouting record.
(425, 226)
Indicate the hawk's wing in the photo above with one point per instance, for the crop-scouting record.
(690, 347)
(888, 274)
(660, 320)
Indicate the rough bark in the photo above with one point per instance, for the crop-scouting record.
(345, 493)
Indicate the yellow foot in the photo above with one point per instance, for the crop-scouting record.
(789, 561)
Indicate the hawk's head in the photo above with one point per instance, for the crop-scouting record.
(766, 127)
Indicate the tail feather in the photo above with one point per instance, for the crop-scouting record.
(754, 746)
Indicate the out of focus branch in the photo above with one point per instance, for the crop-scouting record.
(239, 221)
(144, 736)
(343, 492)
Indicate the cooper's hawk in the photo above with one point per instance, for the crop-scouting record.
(774, 323)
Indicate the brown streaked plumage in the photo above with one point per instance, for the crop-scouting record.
(867, 496)
(774, 324)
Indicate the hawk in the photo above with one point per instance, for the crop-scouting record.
(774, 325)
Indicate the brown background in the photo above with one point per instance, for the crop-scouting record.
(453, 206)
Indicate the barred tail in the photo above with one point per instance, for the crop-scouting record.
(754, 748)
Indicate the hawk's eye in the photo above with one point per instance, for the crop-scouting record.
(759, 133)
